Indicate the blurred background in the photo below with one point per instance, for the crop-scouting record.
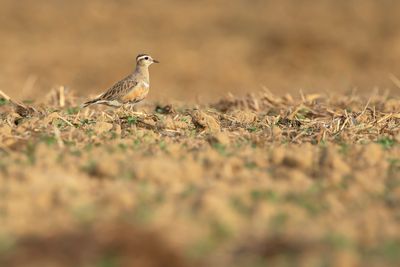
(207, 48)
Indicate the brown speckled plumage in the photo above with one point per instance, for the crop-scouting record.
(130, 90)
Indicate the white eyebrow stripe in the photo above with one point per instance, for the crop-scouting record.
(140, 58)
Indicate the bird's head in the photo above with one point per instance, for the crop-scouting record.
(145, 60)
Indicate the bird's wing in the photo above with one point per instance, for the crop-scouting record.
(119, 89)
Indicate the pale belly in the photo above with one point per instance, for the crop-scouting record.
(136, 95)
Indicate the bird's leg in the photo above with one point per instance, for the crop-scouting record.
(132, 108)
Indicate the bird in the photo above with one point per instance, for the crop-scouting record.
(130, 90)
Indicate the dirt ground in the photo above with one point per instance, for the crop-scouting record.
(247, 181)
(269, 175)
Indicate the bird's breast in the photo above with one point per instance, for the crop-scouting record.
(137, 94)
(145, 84)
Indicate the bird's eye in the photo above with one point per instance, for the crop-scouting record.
(147, 58)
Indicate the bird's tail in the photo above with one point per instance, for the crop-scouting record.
(88, 103)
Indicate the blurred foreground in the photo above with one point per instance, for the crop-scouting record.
(238, 182)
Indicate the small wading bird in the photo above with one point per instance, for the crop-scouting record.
(130, 90)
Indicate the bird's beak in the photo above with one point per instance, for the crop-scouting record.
(156, 61)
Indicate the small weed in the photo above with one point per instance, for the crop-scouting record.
(128, 175)
(322, 143)
(132, 120)
(90, 132)
(84, 213)
(87, 121)
(109, 261)
(162, 145)
(338, 241)
(30, 153)
(72, 110)
(113, 135)
(143, 212)
(219, 231)
(344, 184)
(28, 101)
(386, 142)
(392, 181)
(76, 153)
(136, 144)
(220, 148)
(7, 243)
(122, 146)
(189, 191)
(250, 165)
(388, 250)
(60, 123)
(308, 202)
(239, 206)
(394, 168)
(49, 140)
(88, 147)
(278, 221)
(201, 248)
(252, 129)
(344, 148)
(70, 143)
(302, 114)
(267, 195)
(3, 101)
(391, 250)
